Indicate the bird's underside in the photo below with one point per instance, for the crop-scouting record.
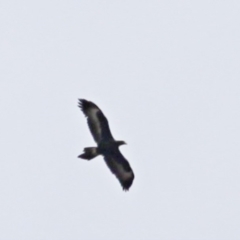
(106, 145)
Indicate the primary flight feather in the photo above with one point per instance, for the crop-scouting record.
(106, 145)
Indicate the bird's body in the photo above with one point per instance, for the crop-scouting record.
(106, 145)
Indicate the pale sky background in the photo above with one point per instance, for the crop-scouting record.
(167, 76)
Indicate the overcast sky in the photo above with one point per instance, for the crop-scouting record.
(167, 76)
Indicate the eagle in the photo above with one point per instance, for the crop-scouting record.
(107, 146)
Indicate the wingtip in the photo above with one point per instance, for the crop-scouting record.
(127, 183)
(81, 102)
(85, 105)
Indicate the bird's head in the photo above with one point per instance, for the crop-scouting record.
(119, 143)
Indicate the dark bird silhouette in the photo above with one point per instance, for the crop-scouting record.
(106, 145)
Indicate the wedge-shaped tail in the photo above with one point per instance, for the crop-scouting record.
(89, 153)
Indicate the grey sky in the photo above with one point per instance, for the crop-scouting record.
(165, 73)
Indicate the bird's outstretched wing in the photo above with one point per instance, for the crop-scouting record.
(97, 122)
(120, 167)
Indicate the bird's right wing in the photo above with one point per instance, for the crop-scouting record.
(97, 122)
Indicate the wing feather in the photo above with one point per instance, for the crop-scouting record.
(97, 122)
(120, 167)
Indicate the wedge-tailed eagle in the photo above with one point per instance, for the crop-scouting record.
(106, 145)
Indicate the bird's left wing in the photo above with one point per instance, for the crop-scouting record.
(120, 167)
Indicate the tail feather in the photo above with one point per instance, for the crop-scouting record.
(89, 153)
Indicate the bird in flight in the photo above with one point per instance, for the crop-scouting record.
(107, 146)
